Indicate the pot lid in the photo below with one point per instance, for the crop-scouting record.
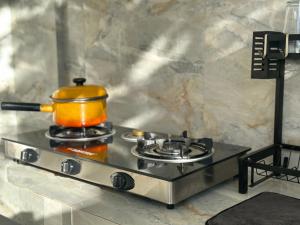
(80, 92)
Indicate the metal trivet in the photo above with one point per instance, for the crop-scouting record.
(79, 134)
(181, 150)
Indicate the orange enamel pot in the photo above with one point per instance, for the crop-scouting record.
(72, 106)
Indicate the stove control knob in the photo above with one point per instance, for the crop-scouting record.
(29, 155)
(122, 181)
(70, 167)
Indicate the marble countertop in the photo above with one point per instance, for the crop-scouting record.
(33, 196)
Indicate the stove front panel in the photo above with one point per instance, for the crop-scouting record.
(97, 173)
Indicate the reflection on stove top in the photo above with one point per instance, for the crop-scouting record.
(183, 168)
(93, 150)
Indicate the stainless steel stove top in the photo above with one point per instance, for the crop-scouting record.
(110, 163)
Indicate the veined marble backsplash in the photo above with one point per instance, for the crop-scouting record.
(29, 67)
(6, 77)
(168, 65)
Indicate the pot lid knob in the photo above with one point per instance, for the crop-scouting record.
(79, 81)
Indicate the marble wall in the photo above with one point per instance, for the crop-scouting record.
(173, 65)
(168, 65)
(31, 58)
(6, 77)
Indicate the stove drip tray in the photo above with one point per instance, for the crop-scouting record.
(173, 150)
(80, 134)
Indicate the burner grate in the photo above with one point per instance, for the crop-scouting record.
(176, 150)
(58, 133)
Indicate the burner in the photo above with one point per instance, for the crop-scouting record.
(58, 133)
(135, 135)
(173, 150)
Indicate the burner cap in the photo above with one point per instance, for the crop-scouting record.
(135, 135)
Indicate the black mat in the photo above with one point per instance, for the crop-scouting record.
(266, 208)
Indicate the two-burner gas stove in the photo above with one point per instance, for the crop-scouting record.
(162, 167)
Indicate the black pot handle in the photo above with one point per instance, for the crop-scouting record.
(20, 106)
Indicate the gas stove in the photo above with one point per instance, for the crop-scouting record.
(158, 166)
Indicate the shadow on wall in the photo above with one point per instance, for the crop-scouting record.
(168, 66)
(29, 68)
(6, 51)
(162, 70)
(62, 37)
(172, 66)
(140, 55)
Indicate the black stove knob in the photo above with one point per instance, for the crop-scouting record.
(70, 167)
(29, 155)
(122, 181)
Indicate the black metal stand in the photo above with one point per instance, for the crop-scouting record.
(268, 62)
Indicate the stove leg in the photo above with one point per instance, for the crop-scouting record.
(16, 161)
(170, 206)
(243, 175)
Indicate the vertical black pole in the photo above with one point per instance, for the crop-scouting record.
(279, 95)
